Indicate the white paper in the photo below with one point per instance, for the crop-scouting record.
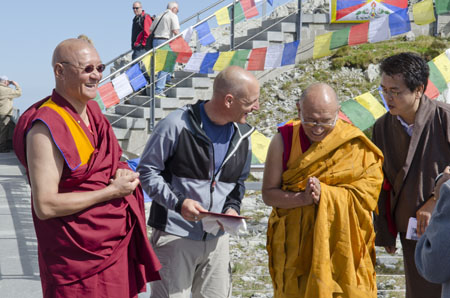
(411, 232)
(230, 225)
(122, 86)
(195, 62)
(274, 56)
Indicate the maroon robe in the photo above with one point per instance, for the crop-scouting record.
(74, 248)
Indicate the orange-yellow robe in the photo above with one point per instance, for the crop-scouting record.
(328, 250)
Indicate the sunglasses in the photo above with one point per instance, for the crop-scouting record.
(136, 8)
(89, 68)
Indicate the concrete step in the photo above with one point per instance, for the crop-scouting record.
(121, 133)
(140, 100)
(285, 26)
(266, 35)
(167, 103)
(181, 92)
(133, 111)
(120, 121)
(180, 74)
(253, 44)
(196, 82)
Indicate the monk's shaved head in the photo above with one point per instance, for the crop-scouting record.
(319, 96)
(233, 80)
(69, 49)
(318, 109)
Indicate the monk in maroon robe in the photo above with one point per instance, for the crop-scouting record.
(87, 205)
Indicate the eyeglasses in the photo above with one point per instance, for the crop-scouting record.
(136, 8)
(88, 68)
(392, 94)
(319, 124)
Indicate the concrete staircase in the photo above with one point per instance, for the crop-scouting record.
(130, 118)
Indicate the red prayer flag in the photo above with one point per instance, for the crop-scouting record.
(344, 117)
(180, 46)
(432, 91)
(358, 34)
(108, 95)
(257, 59)
(249, 8)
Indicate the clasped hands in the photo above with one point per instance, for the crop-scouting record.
(125, 181)
(312, 190)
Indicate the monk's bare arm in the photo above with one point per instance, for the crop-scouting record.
(45, 165)
(271, 189)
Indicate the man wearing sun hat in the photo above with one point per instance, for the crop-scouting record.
(7, 94)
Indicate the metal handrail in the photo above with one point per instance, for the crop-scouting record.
(158, 47)
(152, 85)
(181, 23)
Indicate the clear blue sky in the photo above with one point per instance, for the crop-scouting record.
(32, 29)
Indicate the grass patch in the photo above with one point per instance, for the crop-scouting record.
(361, 56)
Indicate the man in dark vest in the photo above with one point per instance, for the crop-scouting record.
(140, 31)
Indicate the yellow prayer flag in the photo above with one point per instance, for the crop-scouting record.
(322, 45)
(368, 101)
(423, 12)
(146, 61)
(223, 60)
(260, 145)
(160, 59)
(222, 16)
(443, 64)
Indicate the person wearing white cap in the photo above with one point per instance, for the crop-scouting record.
(7, 94)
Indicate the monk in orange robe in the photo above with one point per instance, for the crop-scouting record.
(87, 205)
(322, 178)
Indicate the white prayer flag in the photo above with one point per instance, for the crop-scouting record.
(195, 62)
(122, 86)
(379, 29)
(274, 56)
(187, 34)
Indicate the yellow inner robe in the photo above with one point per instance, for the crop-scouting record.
(328, 250)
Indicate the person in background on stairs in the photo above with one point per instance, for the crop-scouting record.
(7, 94)
(87, 205)
(140, 31)
(322, 177)
(432, 250)
(196, 160)
(414, 137)
(164, 27)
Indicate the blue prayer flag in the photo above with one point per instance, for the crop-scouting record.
(133, 163)
(208, 62)
(270, 2)
(136, 77)
(204, 34)
(399, 22)
(289, 53)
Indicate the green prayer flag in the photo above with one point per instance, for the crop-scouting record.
(339, 38)
(240, 58)
(171, 58)
(238, 12)
(442, 6)
(165, 47)
(360, 116)
(99, 100)
(436, 77)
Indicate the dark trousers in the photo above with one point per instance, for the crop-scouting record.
(6, 127)
(416, 285)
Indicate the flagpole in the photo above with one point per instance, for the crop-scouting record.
(232, 27)
(298, 23)
(436, 23)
